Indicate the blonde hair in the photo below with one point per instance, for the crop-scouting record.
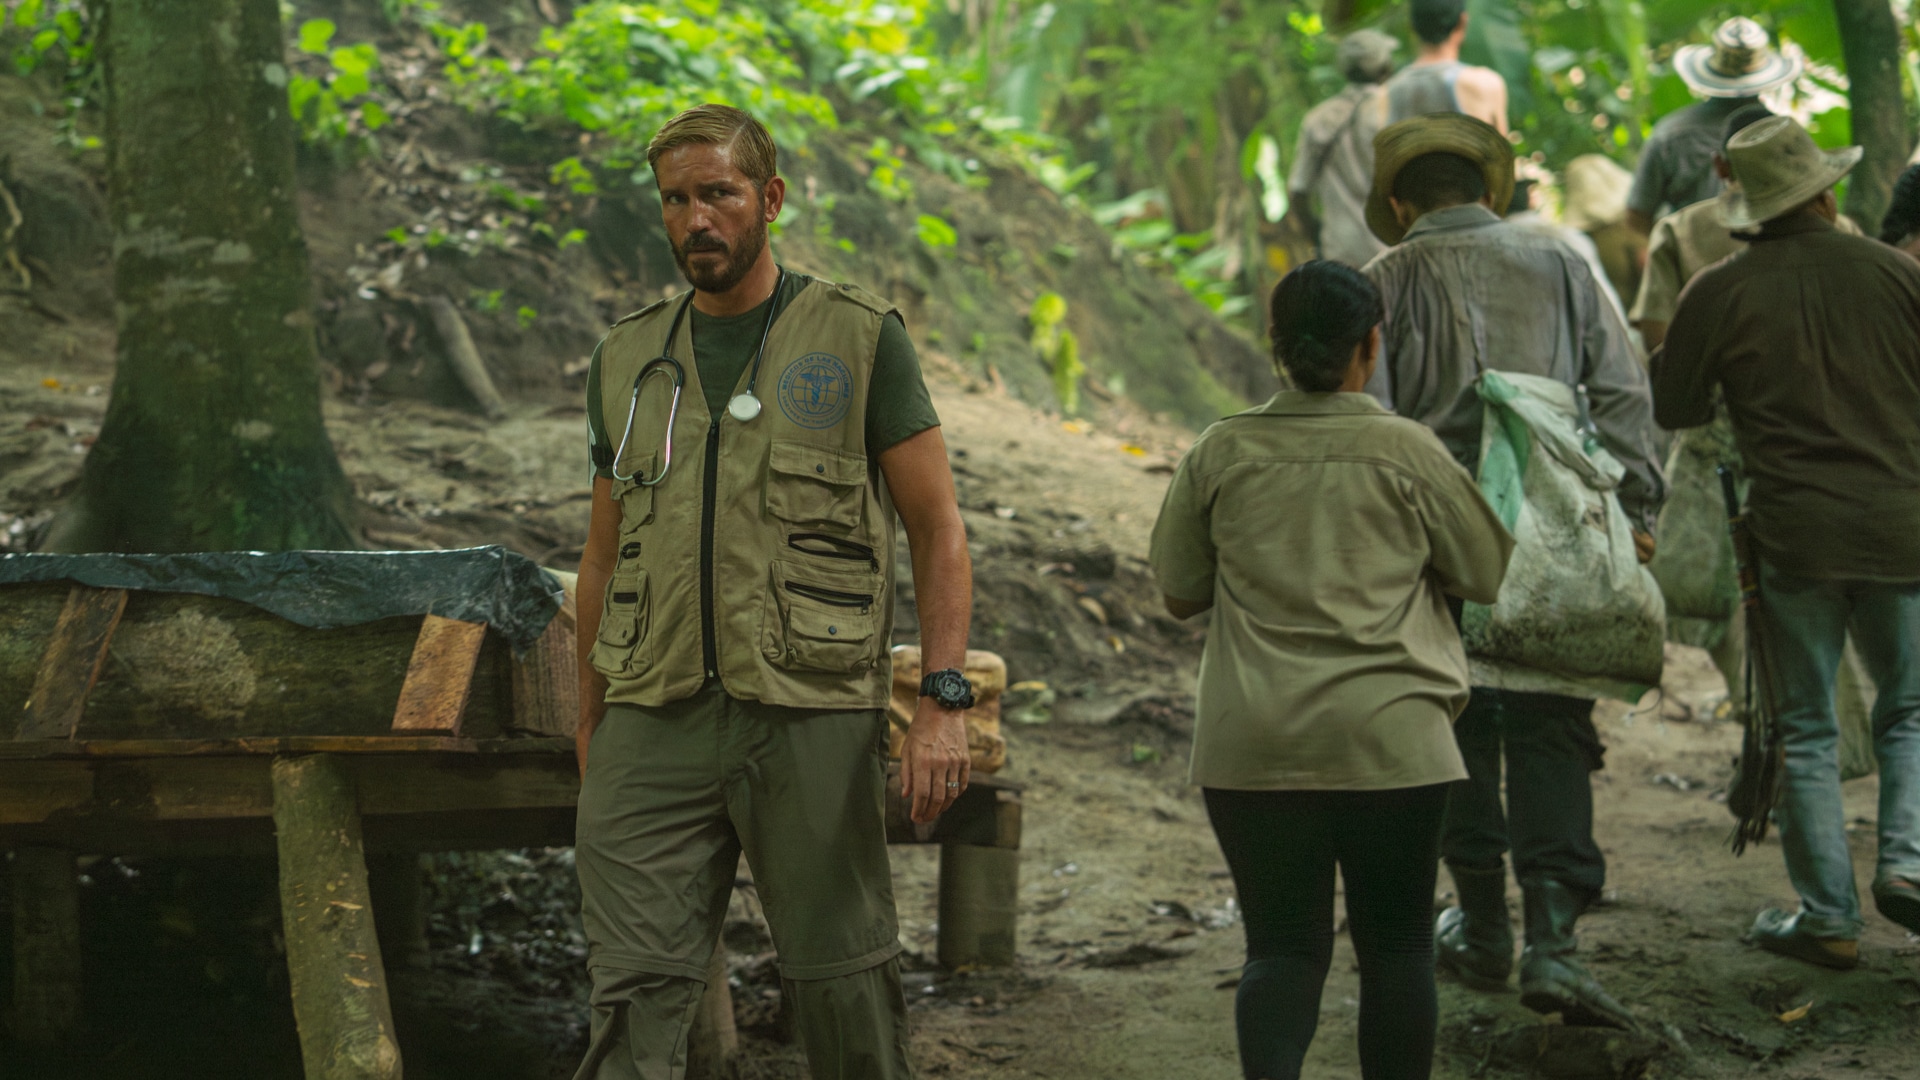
(739, 133)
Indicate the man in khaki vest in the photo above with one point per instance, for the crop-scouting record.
(753, 440)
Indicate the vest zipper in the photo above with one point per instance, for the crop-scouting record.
(835, 547)
(831, 597)
(709, 643)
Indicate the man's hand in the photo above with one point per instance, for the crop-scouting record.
(934, 763)
(1643, 546)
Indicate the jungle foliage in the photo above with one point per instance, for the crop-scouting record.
(1174, 120)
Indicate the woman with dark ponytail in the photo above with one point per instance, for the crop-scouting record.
(1326, 534)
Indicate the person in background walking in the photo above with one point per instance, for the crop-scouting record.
(1676, 164)
(1326, 534)
(1437, 81)
(1813, 338)
(1594, 190)
(1334, 161)
(1901, 226)
(1467, 292)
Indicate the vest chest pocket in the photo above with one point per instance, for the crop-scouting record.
(621, 648)
(819, 621)
(814, 485)
(636, 501)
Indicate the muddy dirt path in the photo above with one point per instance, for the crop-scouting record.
(1129, 938)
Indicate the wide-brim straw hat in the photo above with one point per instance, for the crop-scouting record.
(1435, 133)
(1778, 167)
(1738, 63)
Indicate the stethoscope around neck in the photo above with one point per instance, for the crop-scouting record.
(745, 405)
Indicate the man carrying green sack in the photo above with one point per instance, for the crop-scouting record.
(1466, 294)
(753, 439)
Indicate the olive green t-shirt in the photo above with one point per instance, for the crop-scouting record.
(898, 405)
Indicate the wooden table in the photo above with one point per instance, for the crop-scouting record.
(403, 736)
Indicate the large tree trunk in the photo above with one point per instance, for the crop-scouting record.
(213, 439)
(1871, 41)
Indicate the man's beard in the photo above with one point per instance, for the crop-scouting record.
(740, 258)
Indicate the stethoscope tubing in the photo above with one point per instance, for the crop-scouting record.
(666, 364)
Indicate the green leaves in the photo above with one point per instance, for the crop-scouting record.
(935, 232)
(313, 36)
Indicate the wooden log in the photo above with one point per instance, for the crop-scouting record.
(713, 1041)
(71, 664)
(203, 667)
(46, 946)
(333, 953)
(546, 681)
(439, 677)
(978, 907)
(464, 357)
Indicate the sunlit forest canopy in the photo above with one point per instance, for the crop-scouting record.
(1172, 120)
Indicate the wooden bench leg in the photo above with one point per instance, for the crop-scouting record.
(46, 946)
(714, 1041)
(333, 954)
(979, 900)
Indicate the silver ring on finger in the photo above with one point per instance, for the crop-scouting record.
(953, 783)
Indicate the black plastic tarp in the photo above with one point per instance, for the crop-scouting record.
(326, 589)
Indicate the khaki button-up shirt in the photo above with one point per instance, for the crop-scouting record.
(1327, 533)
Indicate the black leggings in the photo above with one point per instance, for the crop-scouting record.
(1282, 847)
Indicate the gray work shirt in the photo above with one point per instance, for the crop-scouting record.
(1466, 291)
(1334, 163)
(1676, 164)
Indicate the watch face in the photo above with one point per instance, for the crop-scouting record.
(950, 689)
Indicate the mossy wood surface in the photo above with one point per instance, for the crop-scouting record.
(339, 983)
(183, 666)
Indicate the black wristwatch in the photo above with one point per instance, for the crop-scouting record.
(948, 688)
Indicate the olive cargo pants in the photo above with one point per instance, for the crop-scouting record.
(672, 795)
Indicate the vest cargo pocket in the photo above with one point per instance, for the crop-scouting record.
(814, 485)
(821, 622)
(621, 647)
(636, 501)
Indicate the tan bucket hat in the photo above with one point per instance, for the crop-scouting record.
(1435, 133)
(1778, 167)
(1594, 192)
(1739, 62)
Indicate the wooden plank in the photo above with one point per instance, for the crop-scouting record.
(439, 677)
(456, 830)
(292, 744)
(339, 983)
(46, 945)
(546, 681)
(72, 662)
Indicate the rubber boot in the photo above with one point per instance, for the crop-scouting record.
(1551, 979)
(1474, 938)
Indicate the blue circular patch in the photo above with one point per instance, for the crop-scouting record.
(816, 391)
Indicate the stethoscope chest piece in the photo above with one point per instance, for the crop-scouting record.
(743, 407)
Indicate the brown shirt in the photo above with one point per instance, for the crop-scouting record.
(1814, 338)
(1684, 243)
(1327, 533)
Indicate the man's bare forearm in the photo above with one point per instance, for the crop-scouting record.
(589, 602)
(943, 589)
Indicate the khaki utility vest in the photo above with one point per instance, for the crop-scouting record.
(798, 591)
